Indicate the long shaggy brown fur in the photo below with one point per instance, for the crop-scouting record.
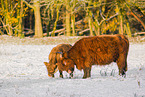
(100, 50)
(54, 58)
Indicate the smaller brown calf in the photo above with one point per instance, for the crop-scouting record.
(54, 58)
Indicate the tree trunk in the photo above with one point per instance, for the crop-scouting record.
(55, 24)
(120, 19)
(7, 17)
(121, 24)
(73, 18)
(38, 24)
(73, 24)
(128, 29)
(90, 26)
(68, 25)
(20, 19)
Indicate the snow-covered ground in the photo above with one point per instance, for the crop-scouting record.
(23, 74)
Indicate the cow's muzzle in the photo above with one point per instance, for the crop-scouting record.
(71, 73)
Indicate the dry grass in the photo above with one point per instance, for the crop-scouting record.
(138, 39)
(37, 41)
(52, 40)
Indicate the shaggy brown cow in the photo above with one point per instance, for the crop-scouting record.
(54, 58)
(100, 50)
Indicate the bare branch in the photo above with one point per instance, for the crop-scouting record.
(57, 31)
(81, 32)
(102, 15)
(29, 5)
(138, 33)
(112, 16)
(106, 19)
(14, 8)
(139, 19)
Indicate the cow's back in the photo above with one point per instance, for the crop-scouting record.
(101, 50)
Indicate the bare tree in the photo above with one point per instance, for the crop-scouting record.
(38, 25)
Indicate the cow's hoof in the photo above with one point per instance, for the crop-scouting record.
(61, 76)
(84, 77)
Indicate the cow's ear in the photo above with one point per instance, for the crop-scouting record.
(46, 63)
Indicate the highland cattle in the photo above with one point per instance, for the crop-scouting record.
(54, 59)
(97, 50)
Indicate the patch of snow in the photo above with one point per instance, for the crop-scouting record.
(23, 74)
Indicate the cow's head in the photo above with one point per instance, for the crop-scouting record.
(51, 68)
(67, 64)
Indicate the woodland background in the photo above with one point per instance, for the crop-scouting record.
(41, 18)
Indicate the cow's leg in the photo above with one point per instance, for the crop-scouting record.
(122, 64)
(87, 73)
(52, 75)
(71, 75)
(87, 68)
(61, 75)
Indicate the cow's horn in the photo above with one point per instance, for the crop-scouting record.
(59, 52)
